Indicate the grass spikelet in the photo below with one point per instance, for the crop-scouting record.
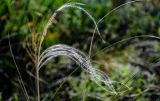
(81, 59)
(71, 5)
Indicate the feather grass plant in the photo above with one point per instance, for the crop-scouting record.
(79, 57)
(76, 55)
(42, 58)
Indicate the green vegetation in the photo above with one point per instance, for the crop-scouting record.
(128, 61)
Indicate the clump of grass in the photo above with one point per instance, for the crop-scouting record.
(76, 55)
(97, 76)
(56, 50)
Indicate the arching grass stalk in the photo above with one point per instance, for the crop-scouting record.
(70, 5)
(91, 44)
(52, 19)
(80, 58)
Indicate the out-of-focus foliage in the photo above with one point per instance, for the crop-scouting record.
(20, 18)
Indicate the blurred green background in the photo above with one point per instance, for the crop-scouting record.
(134, 62)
